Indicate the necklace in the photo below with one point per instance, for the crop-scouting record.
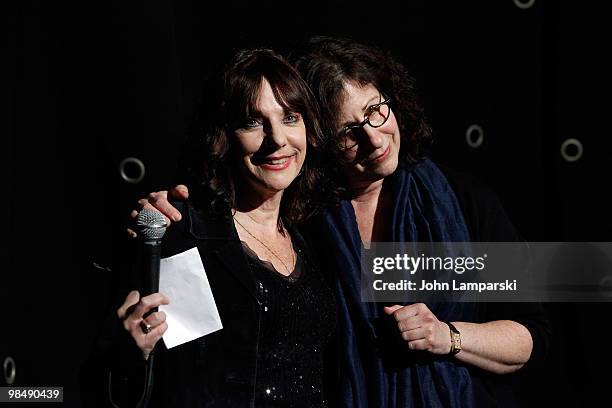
(267, 247)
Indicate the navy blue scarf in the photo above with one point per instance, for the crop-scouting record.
(378, 370)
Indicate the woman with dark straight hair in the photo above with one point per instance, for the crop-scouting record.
(253, 166)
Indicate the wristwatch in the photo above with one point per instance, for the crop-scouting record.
(455, 339)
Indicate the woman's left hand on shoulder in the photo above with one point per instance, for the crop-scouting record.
(420, 328)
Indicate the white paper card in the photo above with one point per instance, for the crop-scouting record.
(192, 312)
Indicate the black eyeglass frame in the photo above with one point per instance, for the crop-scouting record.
(366, 121)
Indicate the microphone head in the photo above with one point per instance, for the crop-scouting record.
(151, 224)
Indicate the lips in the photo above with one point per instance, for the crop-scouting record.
(280, 160)
(277, 162)
(381, 157)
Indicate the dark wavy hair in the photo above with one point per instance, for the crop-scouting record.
(229, 98)
(327, 63)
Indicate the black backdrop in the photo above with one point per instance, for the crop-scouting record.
(90, 83)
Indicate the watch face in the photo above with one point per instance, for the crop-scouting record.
(456, 341)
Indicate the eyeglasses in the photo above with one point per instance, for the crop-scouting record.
(375, 116)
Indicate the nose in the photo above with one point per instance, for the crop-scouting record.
(275, 134)
(371, 138)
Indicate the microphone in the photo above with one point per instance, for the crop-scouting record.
(152, 226)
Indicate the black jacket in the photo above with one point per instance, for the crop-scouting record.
(217, 370)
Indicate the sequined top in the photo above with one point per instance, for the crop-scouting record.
(298, 318)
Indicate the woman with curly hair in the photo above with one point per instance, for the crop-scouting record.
(390, 191)
(386, 189)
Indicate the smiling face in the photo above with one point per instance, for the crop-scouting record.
(271, 145)
(376, 155)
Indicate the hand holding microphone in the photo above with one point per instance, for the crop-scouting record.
(139, 314)
(146, 331)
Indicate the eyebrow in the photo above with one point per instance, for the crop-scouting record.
(367, 105)
(368, 102)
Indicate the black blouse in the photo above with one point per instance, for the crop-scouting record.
(296, 327)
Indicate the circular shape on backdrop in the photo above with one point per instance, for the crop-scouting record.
(474, 136)
(131, 162)
(9, 370)
(524, 4)
(568, 155)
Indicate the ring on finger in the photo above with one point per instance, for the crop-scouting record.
(146, 327)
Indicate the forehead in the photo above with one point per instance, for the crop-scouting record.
(266, 100)
(273, 98)
(357, 98)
